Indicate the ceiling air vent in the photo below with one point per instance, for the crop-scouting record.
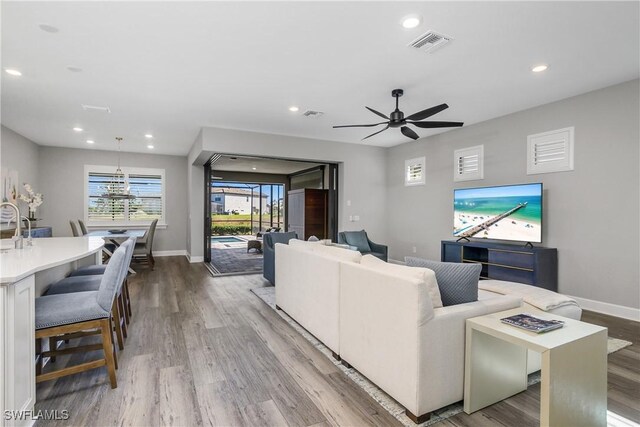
(313, 114)
(86, 107)
(430, 41)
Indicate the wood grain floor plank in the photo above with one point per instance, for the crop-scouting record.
(322, 391)
(264, 414)
(140, 396)
(203, 360)
(218, 405)
(293, 402)
(280, 336)
(178, 402)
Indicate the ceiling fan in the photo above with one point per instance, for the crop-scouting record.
(398, 119)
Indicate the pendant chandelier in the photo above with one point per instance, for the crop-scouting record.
(117, 188)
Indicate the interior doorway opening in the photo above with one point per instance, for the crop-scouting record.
(247, 196)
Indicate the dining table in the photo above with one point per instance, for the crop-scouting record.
(116, 237)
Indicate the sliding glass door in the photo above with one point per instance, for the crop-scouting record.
(244, 208)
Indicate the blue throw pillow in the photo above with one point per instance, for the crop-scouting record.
(458, 282)
(358, 239)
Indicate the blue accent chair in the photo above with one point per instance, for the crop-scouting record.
(268, 247)
(361, 242)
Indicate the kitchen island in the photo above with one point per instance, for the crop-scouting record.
(24, 275)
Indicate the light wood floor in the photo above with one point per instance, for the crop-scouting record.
(204, 350)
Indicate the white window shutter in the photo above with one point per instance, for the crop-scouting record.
(468, 163)
(414, 173)
(550, 151)
(148, 186)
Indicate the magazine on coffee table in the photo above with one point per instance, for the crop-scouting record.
(532, 323)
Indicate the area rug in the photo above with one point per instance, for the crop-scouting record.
(268, 295)
(236, 260)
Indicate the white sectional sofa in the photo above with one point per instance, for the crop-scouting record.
(384, 325)
(308, 286)
(390, 333)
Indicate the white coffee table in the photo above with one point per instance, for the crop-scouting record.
(573, 390)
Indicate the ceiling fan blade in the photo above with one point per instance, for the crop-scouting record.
(427, 125)
(428, 112)
(375, 133)
(360, 126)
(409, 132)
(378, 113)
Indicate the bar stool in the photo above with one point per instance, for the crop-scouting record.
(97, 269)
(78, 312)
(92, 283)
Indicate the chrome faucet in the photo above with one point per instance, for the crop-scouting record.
(29, 239)
(17, 238)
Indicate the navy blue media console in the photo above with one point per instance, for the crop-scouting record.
(515, 263)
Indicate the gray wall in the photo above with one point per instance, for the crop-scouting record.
(21, 154)
(361, 174)
(62, 176)
(591, 214)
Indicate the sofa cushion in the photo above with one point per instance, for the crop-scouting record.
(302, 244)
(358, 239)
(423, 274)
(458, 282)
(342, 254)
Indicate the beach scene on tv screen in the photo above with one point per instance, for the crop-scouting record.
(511, 212)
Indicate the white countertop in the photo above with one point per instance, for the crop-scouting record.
(16, 264)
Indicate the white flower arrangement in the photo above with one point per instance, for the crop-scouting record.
(32, 199)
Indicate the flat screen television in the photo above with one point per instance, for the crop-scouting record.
(508, 212)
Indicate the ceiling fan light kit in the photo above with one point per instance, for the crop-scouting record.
(397, 119)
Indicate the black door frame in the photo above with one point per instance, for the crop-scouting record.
(333, 172)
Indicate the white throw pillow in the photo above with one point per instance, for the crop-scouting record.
(423, 274)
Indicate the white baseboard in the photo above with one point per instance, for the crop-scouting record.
(179, 252)
(194, 259)
(610, 309)
(395, 261)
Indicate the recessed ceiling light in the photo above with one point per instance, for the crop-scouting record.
(254, 168)
(77, 129)
(150, 147)
(539, 68)
(90, 141)
(13, 72)
(48, 28)
(411, 21)
(74, 69)
(148, 135)
(293, 109)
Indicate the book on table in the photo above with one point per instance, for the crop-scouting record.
(532, 323)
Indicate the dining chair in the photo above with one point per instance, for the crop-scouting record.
(78, 312)
(144, 245)
(86, 283)
(74, 229)
(82, 227)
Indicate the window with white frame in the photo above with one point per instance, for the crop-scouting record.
(147, 185)
(468, 163)
(414, 173)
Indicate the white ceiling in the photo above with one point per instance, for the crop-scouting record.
(170, 68)
(261, 165)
